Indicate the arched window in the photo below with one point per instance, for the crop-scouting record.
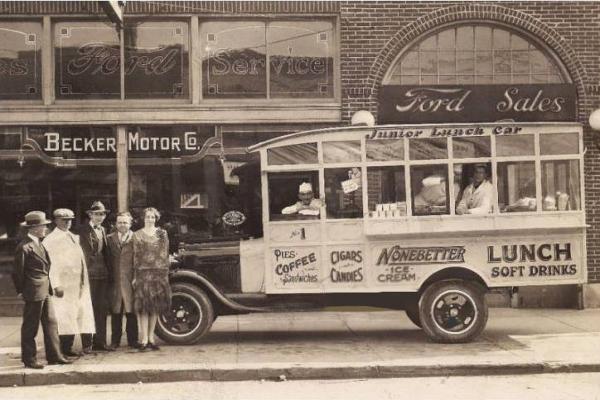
(474, 54)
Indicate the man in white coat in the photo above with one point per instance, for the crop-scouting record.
(74, 311)
(478, 197)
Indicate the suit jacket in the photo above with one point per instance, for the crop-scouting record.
(31, 274)
(121, 261)
(96, 257)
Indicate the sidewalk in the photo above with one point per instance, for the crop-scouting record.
(340, 345)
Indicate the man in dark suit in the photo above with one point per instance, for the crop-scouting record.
(32, 281)
(92, 238)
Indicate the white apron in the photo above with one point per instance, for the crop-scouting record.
(68, 271)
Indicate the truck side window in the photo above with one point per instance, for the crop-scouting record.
(387, 195)
(305, 153)
(343, 192)
(429, 189)
(294, 195)
(516, 186)
(560, 185)
(474, 191)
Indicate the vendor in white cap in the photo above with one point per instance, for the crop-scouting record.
(478, 197)
(307, 205)
(74, 310)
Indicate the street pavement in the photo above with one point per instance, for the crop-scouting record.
(332, 345)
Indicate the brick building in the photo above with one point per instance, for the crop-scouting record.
(88, 113)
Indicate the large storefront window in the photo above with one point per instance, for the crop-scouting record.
(475, 54)
(20, 60)
(201, 192)
(87, 60)
(257, 59)
(28, 184)
(156, 59)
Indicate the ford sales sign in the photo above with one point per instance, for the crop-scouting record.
(476, 103)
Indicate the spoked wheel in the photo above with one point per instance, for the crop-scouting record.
(453, 311)
(190, 317)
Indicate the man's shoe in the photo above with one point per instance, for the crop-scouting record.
(142, 347)
(102, 347)
(88, 350)
(33, 365)
(60, 361)
(114, 346)
(134, 345)
(71, 353)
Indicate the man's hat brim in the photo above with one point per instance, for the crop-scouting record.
(26, 225)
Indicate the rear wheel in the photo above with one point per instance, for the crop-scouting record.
(453, 311)
(190, 317)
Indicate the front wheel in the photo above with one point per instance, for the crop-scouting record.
(190, 317)
(453, 311)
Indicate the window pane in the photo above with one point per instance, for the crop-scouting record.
(516, 186)
(473, 190)
(446, 39)
(387, 192)
(20, 60)
(447, 60)
(560, 185)
(339, 152)
(520, 62)
(10, 137)
(295, 154)
(483, 62)
(465, 38)
(465, 62)
(559, 143)
(471, 147)
(429, 189)
(429, 44)
(410, 63)
(193, 198)
(385, 150)
(156, 59)
(483, 37)
(501, 39)
(518, 43)
(233, 59)
(429, 62)
(39, 186)
(301, 58)
(87, 61)
(514, 145)
(501, 62)
(343, 192)
(428, 149)
(285, 200)
(538, 61)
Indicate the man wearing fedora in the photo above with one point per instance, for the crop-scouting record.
(74, 311)
(31, 277)
(93, 242)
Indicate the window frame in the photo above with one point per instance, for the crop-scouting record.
(338, 135)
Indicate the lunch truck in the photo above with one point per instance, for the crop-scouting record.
(390, 231)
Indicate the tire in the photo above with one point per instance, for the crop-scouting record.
(190, 317)
(412, 311)
(453, 311)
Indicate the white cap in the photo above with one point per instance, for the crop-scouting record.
(432, 180)
(305, 187)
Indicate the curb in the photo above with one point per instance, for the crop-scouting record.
(293, 372)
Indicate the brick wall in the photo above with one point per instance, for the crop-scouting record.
(374, 33)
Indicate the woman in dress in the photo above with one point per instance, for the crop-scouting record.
(152, 293)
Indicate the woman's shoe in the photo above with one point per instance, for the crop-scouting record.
(153, 346)
(142, 347)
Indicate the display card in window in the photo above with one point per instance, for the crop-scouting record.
(343, 192)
